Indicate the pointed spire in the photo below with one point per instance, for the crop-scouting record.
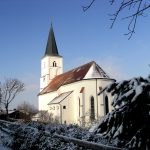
(51, 48)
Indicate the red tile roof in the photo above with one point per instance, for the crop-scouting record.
(71, 76)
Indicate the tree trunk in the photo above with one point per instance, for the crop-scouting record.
(6, 107)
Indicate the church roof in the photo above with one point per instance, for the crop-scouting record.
(51, 48)
(87, 71)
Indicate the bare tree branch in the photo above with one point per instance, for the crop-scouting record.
(9, 90)
(27, 109)
(135, 8)
(138, 7)
(85, 8)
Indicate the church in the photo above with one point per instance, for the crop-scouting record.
(72, 96)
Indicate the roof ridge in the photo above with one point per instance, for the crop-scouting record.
(68, 72)
(71, 76)
(78, 67)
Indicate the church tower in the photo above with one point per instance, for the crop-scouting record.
(51, 63)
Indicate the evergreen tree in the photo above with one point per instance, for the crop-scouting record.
(128, 125)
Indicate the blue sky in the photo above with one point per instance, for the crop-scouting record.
(81, 37)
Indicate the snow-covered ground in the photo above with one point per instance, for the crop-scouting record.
(38, 136)
(127, 126)
(4, 138)
(1, 145)
(4, 148)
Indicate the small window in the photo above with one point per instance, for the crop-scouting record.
(64, 107)
(100, 88)
(65, 122)
(43, 79)
(54, 64)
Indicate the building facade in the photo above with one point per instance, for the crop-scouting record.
(72, 96)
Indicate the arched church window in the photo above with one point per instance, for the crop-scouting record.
(79, 106)
(92, 115)
(54, 64)
(106, 105)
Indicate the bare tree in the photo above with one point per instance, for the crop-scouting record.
(27, 109)
(44, 116)
(9, 90)
(135, 8)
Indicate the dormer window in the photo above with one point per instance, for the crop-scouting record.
(54, 64)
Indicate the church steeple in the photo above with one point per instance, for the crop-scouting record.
(51, 63)
(51, 48)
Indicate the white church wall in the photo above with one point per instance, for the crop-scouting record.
(71, 113)
(75, 87)
(45, 99)
(44, 80)
(55, 110)
(92, 73)
(44, 65)
(89, 90)
(80, 108)
(68, 109)
(95, 72)
(59, 63)
(50, 67)
(101, 106)
(55, 70)
(104, 83)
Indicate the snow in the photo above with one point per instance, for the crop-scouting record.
(39, 136)
(93, 127)
(128, 125)
(4, 148)
(4, 138)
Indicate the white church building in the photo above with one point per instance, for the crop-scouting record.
(72, 96)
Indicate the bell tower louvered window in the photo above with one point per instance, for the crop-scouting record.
(54, 64)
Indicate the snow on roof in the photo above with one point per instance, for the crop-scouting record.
(60, 98)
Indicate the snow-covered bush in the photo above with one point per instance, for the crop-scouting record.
(128, 125)
(39, 136)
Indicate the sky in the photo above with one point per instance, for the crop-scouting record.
(81, 37)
